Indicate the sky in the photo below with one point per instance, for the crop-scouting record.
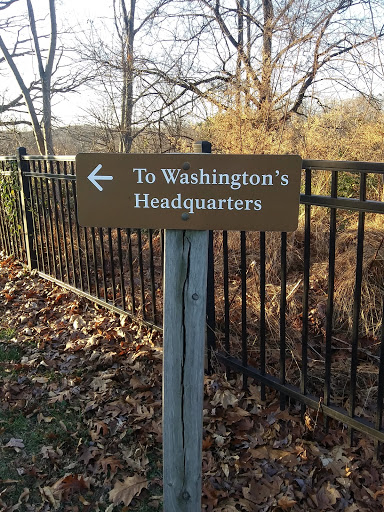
(76, 14)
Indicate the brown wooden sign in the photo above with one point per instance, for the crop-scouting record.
(189, 191)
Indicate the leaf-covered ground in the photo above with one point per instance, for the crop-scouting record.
(80, 421)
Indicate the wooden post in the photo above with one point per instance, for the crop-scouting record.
(185, 302)
(183, 374)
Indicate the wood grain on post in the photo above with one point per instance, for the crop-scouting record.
(183, 375)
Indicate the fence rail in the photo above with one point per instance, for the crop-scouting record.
(299, 312)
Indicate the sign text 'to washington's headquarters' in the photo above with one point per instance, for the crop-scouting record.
(189, 191)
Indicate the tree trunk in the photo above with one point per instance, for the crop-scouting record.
(249, 47)
(46, 82)
(266, 72)
(240, 43)
(126, 136)
(45, 73)
(47, 117)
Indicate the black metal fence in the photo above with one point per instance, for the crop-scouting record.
(300, 312)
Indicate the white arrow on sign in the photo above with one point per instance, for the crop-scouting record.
(94, 179)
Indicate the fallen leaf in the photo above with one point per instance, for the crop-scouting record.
(101, 428)
(72, 483)
(110, 463)
(40, 380)
(127, 490)
(78, 322)
(207, 443)
(224, 398)
(24, 496)
(286, 503)
(46, 419)
(327, 496)
(260, 491)
(47, 493)
(17, 444)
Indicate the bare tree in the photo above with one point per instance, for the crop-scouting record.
(52, 77)
(271, 54)
(43, 134)
(132, 101)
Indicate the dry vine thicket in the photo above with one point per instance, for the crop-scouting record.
(345, 274)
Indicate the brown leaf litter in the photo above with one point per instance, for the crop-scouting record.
(80, 421)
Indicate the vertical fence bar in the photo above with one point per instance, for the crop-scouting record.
(162, 250)
(75, 278)
(4, 227)
(103, 269)
(111, 260)
(331, 289)
(19, 232)
(130, 270)
(16, 229)
(9, 221)
(244, 336)
(4, 238)
(95, 269)
(380, 387)
(283, 307)
(307, 265)
(357, 302)
(61, 216)
(152, 275)
(50, 222)
(73, 195)
(141, 272)
(262, 311)
(211, 310)
(25, 202)
(40, 252)
(11, 224)
(205, 147)
(76, 226)
(11, 217)
(121, 268)
(87, 259)
(44, 208)
(52, 183)
(227, 346)
(2, 232)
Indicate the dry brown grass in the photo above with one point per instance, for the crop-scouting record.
(348, 130)
(345, 274)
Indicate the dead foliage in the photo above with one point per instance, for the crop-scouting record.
(80, 422)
